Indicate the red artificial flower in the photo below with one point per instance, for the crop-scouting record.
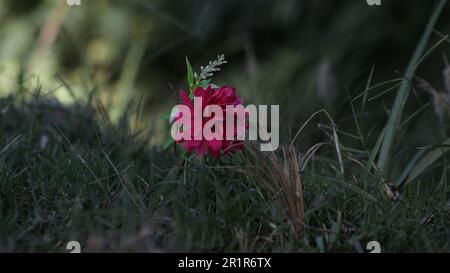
(222, 97)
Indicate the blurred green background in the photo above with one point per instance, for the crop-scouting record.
(301, 54)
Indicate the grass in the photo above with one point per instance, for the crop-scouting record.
(405, 87)
(68, 173)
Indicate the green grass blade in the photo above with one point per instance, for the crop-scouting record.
(409, 168)
(403, 92)
(374, 152)
(427, 161)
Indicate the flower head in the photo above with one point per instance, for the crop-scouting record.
(222, 97)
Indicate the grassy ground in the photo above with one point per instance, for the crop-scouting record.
(68, 173)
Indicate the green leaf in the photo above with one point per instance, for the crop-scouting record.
(165, 117)
(168, 143)
(204, 83)
(190, 75)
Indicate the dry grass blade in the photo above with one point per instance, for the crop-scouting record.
(283, 180)
(335, 137)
